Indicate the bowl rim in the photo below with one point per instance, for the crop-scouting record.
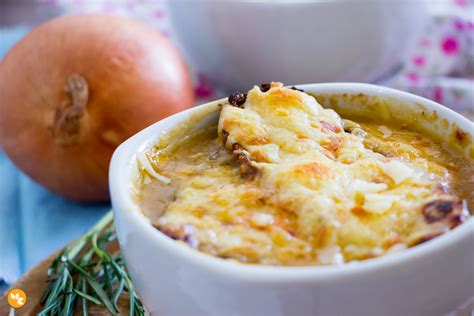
(123, 205)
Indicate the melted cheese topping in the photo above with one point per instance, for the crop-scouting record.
(287, 182)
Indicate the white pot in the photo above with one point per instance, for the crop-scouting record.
(240, 43)
(173, 279)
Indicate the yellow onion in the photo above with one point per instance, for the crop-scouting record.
(76, 87)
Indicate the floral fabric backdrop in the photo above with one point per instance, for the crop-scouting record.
(439, 67)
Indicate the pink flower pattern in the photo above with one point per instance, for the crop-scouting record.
(412, 76)
(438, 94)
(419, 60)
(441, 66)
(203, 89)
(450, 45)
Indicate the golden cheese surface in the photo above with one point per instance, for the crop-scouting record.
(283, 181)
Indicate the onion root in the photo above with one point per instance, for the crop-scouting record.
(67, 123)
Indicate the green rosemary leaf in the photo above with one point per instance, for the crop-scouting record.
(45, 311)
(84, 309)
(118, 292)
(99, 291)
(69, 296)
(87, 272)
(53, 296)
(132, 303)
(102, 295)
(101, 224)
(87, 297)
(64, 277)
(86, 259)
(57, 307)
(82, 285)
(47, 291)
(108, 280)
(98, 250)
(139, 308)
(121, 272)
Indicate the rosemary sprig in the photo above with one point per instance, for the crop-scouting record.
(86, 273)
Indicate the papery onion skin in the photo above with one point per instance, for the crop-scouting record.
(133, 77)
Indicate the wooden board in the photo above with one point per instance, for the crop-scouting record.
(34, 283)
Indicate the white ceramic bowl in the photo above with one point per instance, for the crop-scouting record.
(172, 279)
(238, 43)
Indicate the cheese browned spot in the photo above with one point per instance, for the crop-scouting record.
(283, 181)
(438, 210)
